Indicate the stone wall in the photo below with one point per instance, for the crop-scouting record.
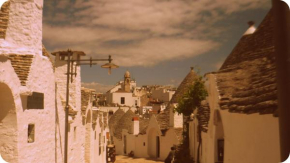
(24, 30)
(251, 138)
(4, 17)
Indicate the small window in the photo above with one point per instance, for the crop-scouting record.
(122, 100)
(75, 133)
(100, 143)
(143, 143)
(31, 131)
(136, 102)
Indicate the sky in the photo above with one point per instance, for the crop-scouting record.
(157, 41)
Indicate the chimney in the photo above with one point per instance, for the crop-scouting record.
(61, 58)
(251, 28)
(135, 126)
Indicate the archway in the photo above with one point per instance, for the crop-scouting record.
(8, 125)
(153, 143)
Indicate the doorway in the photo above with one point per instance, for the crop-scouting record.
(220, 146)
(157, 146)
(125, 144)
(153, 143)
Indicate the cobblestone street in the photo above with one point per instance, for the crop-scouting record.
(125, 159)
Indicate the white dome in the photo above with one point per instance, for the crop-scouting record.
(251, 28)
(127, 74)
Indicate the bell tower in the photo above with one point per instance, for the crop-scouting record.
(127, 81)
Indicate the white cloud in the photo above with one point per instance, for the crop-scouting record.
(101, 88)
(141, 32)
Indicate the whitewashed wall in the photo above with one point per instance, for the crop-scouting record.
(24, 36)
(129, 99)
(43, 147)
(24, 32)
(166, 142)
(76, 138)
(250, 138)
(118, 145)
(175, 119)
(8, 78)
(162, 94)
(141, 145)
(130, 141)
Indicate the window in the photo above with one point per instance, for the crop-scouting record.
(122, 100)
(143, 143)
(75, 133)
(31, 131)
(100, 143)
(35, 101)
(136, 102)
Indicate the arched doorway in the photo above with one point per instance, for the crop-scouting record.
(153, 143)
(8, 125)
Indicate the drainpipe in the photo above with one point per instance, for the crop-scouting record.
(282, 49)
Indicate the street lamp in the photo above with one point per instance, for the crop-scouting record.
(70, 73)
(109, 65)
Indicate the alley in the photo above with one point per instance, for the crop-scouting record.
(125, 159)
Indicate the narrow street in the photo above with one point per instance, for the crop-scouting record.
(125, 159)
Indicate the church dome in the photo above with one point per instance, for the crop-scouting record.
(127, 74)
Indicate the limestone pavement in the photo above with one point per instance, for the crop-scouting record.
(126, 159)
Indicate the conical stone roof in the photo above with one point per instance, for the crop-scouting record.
(164, 117)
(182, 88)
(247, 79)
(114, 119)
(124, 123)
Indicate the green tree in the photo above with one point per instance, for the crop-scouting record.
(196, 92)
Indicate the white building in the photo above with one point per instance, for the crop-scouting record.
(123, 93)
(243, 124)
(27, 87)
(150, 137)
(162, 94)
(32, 96)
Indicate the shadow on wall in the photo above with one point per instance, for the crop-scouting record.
(3, 59)
(57, 129)
(8, 125)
